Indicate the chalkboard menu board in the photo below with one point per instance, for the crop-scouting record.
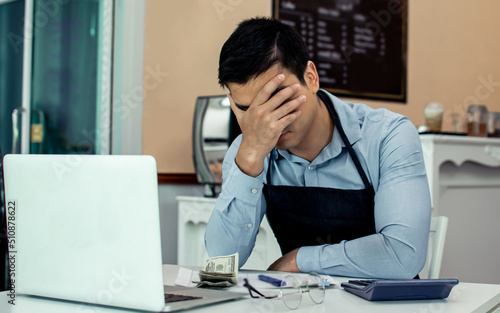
(358, 46)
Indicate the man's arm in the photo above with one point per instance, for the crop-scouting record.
(238, 211)
(402, 216)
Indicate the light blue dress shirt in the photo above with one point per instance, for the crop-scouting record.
(388, 147)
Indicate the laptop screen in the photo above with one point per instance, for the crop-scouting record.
(87, 228)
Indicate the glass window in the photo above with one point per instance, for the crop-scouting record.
(65, 76)
(11, 67)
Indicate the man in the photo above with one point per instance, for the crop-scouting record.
(343, 185)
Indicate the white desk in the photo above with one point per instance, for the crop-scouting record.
(465, 297)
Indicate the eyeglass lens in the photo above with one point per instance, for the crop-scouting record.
(290, 292)
(315, 285)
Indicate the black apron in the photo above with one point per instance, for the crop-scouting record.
(310, 216)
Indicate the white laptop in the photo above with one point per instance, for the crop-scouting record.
(87, 229)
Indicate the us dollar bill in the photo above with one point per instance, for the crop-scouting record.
(220, 271)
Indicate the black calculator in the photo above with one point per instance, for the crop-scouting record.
(400, 289)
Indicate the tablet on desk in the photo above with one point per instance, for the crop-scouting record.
(404, 289)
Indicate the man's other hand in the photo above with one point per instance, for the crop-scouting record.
(286, 263)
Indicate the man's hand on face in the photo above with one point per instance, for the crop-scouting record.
(263, 122)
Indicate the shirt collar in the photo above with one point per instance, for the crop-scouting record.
(350, 124)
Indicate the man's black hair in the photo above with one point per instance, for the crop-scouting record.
(256, 45)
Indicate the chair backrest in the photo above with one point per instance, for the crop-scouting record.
(437, 236)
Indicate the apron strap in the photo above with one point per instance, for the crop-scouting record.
(328, 102)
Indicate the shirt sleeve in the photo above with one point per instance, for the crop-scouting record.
(238, 212)
(402, 217)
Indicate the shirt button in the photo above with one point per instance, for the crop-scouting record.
(310, 168)
(250, 225)
(254, 191)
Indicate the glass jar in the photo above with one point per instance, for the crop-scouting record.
(494, 124)
(477, 119)
(433, 113)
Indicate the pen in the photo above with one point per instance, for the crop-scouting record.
(273, 281)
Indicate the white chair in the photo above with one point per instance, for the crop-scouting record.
(437, 236)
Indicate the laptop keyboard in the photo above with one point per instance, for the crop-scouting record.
(176, 298)
(359, 284)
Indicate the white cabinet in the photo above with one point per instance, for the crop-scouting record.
(464, 177)
(193, 216)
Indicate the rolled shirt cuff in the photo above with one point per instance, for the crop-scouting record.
(244, 187)
(308, 259)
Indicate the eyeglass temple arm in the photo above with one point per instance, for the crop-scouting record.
(250, 287)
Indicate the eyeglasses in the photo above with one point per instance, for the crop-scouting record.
(291, 290)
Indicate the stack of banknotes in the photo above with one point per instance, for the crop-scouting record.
(220, 271)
